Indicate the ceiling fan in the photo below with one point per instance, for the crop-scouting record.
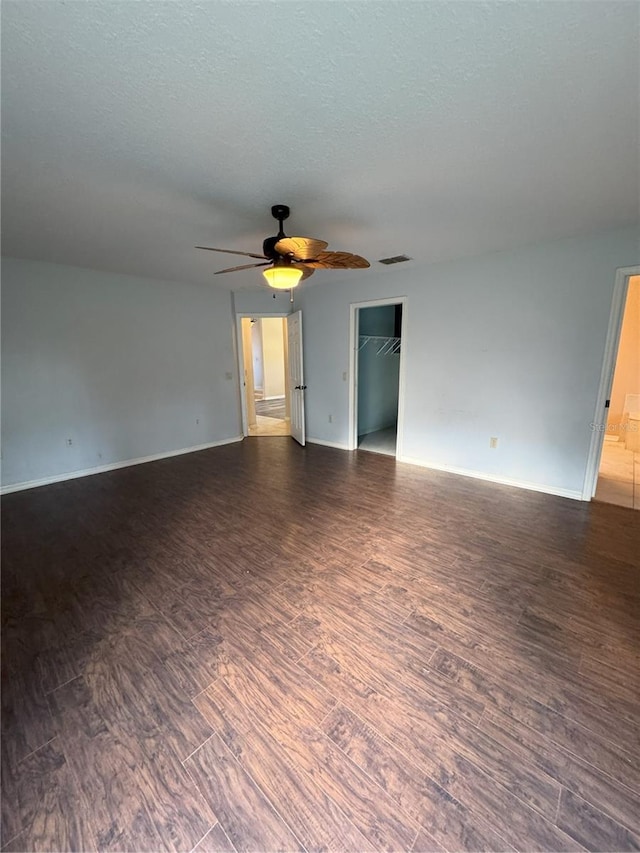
(291, 259)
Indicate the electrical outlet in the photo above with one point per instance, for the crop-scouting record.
(228, 375)
(99, 455)
(69, 442)
(493, 442)
(330, 419)
(197, 421)
(344, 375)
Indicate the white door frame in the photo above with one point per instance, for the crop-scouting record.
(353, 368)
(241, 385)
(612, 342)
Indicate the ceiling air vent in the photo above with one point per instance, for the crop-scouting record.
(396, 259)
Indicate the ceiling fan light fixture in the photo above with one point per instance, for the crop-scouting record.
(283, 277)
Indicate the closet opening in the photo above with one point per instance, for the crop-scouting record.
(377, 391)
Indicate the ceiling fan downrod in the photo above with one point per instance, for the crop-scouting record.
(280, 212)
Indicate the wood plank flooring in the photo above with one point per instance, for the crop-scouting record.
(261, 647)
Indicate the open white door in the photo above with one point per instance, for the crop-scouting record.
(296, 375)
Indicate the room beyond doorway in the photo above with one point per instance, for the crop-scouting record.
(266, 394)
(619, 471)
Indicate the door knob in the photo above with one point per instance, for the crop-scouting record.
(300, 388)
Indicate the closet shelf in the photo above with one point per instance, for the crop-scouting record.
(385, 345)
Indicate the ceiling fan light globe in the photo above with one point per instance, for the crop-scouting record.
(283, 278)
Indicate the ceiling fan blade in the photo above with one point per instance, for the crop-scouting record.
(302, 248)
(338, 261)
(231, 252)
(306, 271)
(242, 267)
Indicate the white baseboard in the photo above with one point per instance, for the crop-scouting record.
(113, 466)
(277, 397)
(463, 472)
(490, 478)
(336, 444)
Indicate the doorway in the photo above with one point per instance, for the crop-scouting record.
(266, 398)
(618, 476)
(377, 370)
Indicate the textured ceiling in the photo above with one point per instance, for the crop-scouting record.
(133, 131)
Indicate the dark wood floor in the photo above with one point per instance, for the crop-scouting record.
(262, 647)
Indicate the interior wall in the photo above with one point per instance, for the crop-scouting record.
(377, 320)
(121, 367)
(626, 379)
(287, 385)
(248, 357)
(509, 345)
(261, 300)
(256, 350)
(272, 357)
(378, 375)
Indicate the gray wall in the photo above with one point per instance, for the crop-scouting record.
(259, 300)
(379, 320)
(378, 375)
(122, 366)
(508, 345)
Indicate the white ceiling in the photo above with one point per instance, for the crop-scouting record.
(133, 131)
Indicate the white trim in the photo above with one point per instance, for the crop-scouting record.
(113, 466)
(241, 386)
(336, 444)
(574, 494)
(606, 377)
(353, 368)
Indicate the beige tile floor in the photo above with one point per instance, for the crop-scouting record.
(619, 476)
(270, 426)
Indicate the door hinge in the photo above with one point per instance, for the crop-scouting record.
(606, 405)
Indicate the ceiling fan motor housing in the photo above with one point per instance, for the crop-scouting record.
(269, 248)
